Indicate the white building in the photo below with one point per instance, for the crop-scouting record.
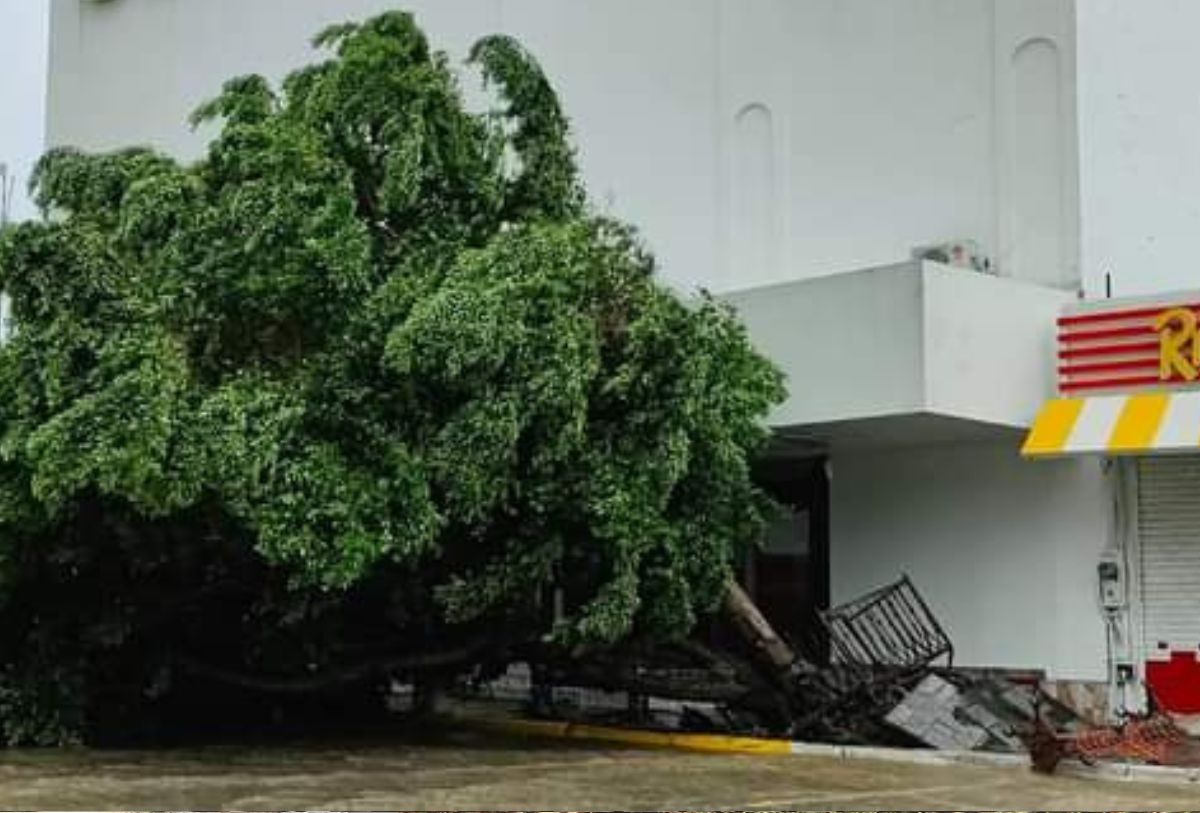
(791, 155)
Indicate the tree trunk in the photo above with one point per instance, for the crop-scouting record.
(772, 650)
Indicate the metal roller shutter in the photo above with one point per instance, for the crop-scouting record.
(1169, 534)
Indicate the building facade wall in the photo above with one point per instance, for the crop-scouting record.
(757, 142)
(1004, 550)
(25, 24)
(1138, 84)
(754, 141)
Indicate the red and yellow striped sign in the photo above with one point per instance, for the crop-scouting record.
(1110, 347)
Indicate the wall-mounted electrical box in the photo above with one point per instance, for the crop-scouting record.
(1111, 583)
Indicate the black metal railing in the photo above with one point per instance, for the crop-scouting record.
(888, 627)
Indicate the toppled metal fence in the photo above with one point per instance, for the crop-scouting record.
(880, 646)
(889, 627)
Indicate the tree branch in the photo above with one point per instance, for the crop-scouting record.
(330, 678)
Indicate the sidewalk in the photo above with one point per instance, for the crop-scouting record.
(727, 744)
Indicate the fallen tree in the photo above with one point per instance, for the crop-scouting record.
(367, 389)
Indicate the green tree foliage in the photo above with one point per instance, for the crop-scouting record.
(359, 390)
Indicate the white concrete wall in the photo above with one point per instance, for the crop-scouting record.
(754, 141)
(989, 346)
(907, 339)
(24, 39)
(1139, 82)
(1036, 132)
(1004, 550)
(849, 344)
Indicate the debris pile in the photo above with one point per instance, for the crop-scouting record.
(879, 648)
(939, 715)
(890, 679)
(878, 670)
(1154, 740)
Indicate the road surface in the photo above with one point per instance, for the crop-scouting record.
(466, 772)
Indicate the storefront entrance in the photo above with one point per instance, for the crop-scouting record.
(789, 577)
(1129, 392)
(1168, 527)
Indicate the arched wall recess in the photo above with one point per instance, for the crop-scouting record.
(1036, 208)
(754, 211)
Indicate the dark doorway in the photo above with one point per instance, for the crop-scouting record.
(788, 577)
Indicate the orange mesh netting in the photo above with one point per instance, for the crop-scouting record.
(1156, 740)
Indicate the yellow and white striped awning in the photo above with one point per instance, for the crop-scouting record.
(1142, 423)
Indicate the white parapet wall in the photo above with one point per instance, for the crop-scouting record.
(915, 340)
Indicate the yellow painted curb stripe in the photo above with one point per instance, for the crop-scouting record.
(1053, 427)
(1138, 424)
(712, 743)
